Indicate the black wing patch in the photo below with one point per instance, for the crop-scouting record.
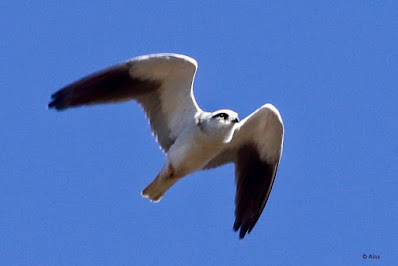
(254, 179)
(110, 85)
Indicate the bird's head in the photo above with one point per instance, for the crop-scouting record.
(220, 125)
(224, 117)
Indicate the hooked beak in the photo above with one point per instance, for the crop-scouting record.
(236, 120)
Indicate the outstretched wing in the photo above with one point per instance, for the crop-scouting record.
(161, 83)
(255, 149)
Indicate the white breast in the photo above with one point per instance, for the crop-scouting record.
(192, 151)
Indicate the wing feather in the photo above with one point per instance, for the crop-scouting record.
(255, 149)
(161, 83)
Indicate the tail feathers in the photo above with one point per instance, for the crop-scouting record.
(158, 188)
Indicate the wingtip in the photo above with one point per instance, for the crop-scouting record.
(50, 105)
(242, 234)
(243, 230)
(236, 226)
(59, 101)
(54, 105)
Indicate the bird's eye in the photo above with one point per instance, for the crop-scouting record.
(222, 115)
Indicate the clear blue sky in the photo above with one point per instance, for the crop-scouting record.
(70, 182)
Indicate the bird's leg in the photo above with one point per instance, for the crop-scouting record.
(171, 170)
(163, 181)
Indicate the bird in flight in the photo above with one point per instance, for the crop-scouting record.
(191, 138)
